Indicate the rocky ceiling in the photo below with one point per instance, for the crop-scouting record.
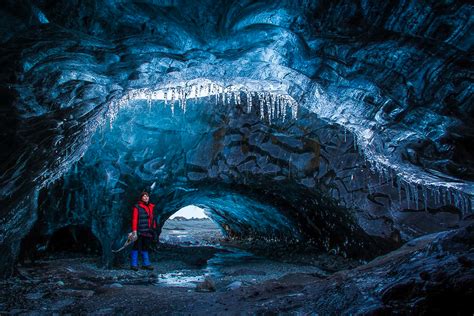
(345, 123)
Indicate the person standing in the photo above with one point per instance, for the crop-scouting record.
(143, 223)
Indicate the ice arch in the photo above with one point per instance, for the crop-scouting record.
(405, 114)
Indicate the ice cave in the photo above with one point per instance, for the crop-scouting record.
(329, 141)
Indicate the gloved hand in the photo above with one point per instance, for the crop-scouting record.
(133, 236)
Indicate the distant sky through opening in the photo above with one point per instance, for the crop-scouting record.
(190, 211)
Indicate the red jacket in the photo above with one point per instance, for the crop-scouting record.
(149, 209)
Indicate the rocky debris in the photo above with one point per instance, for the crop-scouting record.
(34, 296)
(76, 293)
(116, 286)
(248, 272)
(430, 275)
(234, 285)
(208, 285)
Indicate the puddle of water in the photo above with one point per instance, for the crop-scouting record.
(189, 278)
(183, 278)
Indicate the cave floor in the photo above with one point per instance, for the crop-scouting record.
(190, 279)
(433, 274)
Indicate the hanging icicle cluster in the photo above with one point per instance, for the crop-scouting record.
(419, 194)
(270, 105)
(421, 191)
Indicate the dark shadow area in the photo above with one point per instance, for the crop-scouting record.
(74, 239)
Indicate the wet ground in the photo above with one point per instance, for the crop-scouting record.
(68, 283)
(195, 266)
(430, 275)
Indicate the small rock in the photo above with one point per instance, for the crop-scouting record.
(207, 285)
(77, 293)
(104, 311)
(58, 305)
(425, 276)
(234, 285)
(34, 296)
(60, 283)
(116, 285)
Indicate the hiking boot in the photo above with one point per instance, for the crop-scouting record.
(134, 268)
(147, 267)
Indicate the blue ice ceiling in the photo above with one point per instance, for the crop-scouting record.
(358, 126)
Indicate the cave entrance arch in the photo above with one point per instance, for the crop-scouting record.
(189, 226)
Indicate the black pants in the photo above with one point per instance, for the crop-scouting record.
(142, 243)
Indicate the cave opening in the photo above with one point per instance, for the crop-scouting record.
(191, 226)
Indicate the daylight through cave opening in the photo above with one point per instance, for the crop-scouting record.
(191, 226)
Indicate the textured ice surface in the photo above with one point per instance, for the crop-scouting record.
(388, 85)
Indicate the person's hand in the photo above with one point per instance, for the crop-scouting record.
(133, 235)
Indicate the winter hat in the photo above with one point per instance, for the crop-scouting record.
(144, 193)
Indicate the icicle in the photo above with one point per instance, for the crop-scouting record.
(384, 175)
(415, 196)
(456, 200)
(439, 194)
(463, 202)
(277, 109)
(148, 99)
(280, 104)
(407, 192)
(270, 108)
(260, 106)
(184, 101)
(399, 186)
(179, 97)
(249, 102)
(466, 203)
(265, 105)
(425, 197)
